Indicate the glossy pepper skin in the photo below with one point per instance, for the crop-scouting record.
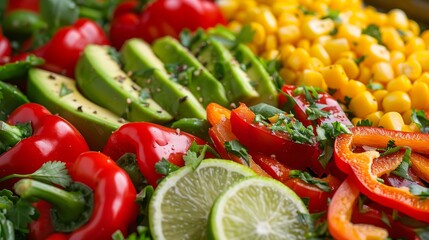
(53, 138)
(62, 52)
(150, 142)
(5, 49)
(162, 17)
(359, 167)
(114, 196)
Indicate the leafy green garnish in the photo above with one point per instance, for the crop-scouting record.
(195, 154)
(359, 59)
(422, 192)
(306, 177)
(385, 219)
(64, 90)
(364, 122)
(402, 169)
(266, 110)
(333, 14)
(143, 233)
(245, 35)
(317, 225)
(306, 11)
(373, 31)
(311, 93)
(374, 86)
(58, 13)
(326, 134)
(420, 119)
(297, 131)
(313, 113)
(52, 172)
(165, 167)
(238, 150)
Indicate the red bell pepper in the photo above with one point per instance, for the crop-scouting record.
(32, 5)
(5, 49)
(162, 17)
(68, 41)
(301, 104)
(359, 167)
(50, 138)
(151, 143)
(279, 143)
(100, 201)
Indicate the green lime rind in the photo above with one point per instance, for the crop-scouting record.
(180, 205)
(257, 208)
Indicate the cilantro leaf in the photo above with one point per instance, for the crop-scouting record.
(238, 150)
(306, 177)
(373, 31)
(364, 122)
(326, 134)
(266, 110)
(333, 14)
(296, 130)
(195, 155)
(402, 169)
(21, 214)
(314, 113)
(374, 86)
(420, 119)
(165, 167)
(64, 90)
(245, 35)
(306, 11)
(359, 59)
(311, 93)
(317, 226)
(422, 192)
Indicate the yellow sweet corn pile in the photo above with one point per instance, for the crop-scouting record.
(376, 63)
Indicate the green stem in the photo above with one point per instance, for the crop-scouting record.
(11, 135)
(129, 164)
(69, 205)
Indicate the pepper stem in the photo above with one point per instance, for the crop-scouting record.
(71, 208)
(11, 135)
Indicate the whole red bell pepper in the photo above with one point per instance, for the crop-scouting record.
(100, 200)
(359, 167)
(151, 143)
(162, 17)
(32, 5)
(62, 52)
(45, 137)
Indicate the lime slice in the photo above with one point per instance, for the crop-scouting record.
(181, 203)
(257, 208)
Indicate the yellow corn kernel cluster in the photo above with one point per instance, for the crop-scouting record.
(376, 63)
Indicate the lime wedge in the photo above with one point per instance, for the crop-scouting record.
(180, 205)
(257, 208)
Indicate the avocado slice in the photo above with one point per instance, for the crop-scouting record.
(10, 98)
(259, 77)
(101, 80)
(196, 77)
(60, 95)
(149, 73)
(220, 62)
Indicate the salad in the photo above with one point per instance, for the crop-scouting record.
(175, 119)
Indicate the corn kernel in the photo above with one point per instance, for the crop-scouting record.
(365, 74)
(424, 78)
(425, 36)
(407, 116)
(271, 42)
(317, 50)
(419, 95)
(382, 72)
(422, 57)
(298, 59)
(379, 96)
(334, 75)
(311, 78)
(374, 117)
(260, 34)
(336, 46)
(391, 121)
(350, 67)
(398, 18)
(392, 39)
(376, 53)
(234, 26)
(280, 7)
(288, 34)
(364, 43)
(414, 27)
(414, 44)
(315, 27)
(363, 104)
(352, 88)
(288, 75)
(267, 20)
(285, 51)
(411, 68)
(304, 44)
(396, 57)
(396, 101)
(314, 64)
(349, 31)
(270, 54)
(400, 83)
(286, 18)
(228, 8)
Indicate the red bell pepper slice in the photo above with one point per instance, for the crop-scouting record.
(340, 213)
(359, 167)
(52, 138)
(324, 101)
(110, 207)
(296, 155)
(150, 142)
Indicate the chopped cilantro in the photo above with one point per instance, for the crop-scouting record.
(64, 90)
(364, 122)
(333, 14)
(374, 86)
(422, 192)
(317, 225)
(359, 59)
(306, 177)
(165, 167)
(373, 31)
(314, 113)
(326, 134)
(238, 150)
(265, 110)
(385, 219)
(245, 35)
(195, 154)
(297, 131)
(420, 119)
(306, 11)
